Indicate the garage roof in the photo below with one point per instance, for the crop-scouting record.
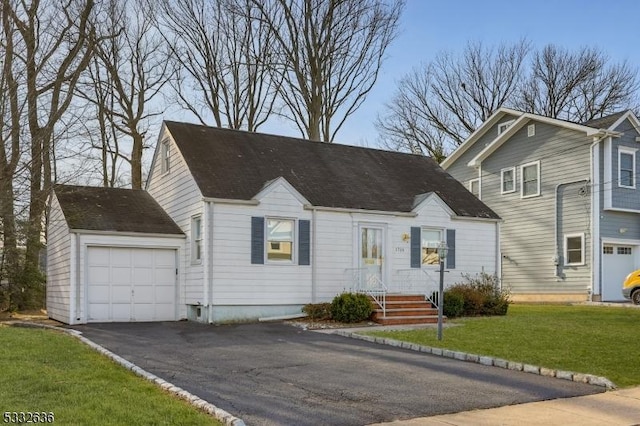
(114, 210)
(234, 164)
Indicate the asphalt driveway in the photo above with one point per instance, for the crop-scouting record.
(277, 374)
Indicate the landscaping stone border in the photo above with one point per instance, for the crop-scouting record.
(207, 407)
(485, 360)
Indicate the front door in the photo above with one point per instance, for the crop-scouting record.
(371, 257)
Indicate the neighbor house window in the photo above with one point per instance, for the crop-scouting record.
(474, 187)
(164, 157)
(504, 126)
(574, 249)
(280, 239)
(431, 240)
(196, 239)
(508, 179)
(627, 168)
(530, 179)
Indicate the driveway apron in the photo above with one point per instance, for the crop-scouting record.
(277, 374)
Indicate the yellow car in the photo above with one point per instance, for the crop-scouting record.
(631, 287)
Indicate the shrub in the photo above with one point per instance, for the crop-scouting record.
(481, 295)
(318, 311)
(453, 304)
(351, 307)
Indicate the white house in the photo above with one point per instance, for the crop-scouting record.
(236, 225)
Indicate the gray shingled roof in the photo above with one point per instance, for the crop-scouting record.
(234, 164)
(112, 209)
(604, 122)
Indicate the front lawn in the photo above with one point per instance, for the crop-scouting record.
(50, 371)
(587, 339)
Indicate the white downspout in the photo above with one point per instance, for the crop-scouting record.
(78, 280)
(314, 254)
(595, 215)
(209, 259)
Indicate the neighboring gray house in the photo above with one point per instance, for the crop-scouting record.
(569, 197)
(236, 225)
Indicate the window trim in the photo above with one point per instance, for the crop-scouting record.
(522, 167)
(583, 253)
(471, 182)
(165, 165)
(442, 232)
(502, 127)
(628, 151)
(196, 239)
(513, 171)
(294, 242)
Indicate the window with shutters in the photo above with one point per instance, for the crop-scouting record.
(431, 240)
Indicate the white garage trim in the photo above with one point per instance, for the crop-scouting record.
(130, 283)
(616, 266)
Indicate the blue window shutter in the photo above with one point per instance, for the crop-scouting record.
(451, 243)
(257, 240)
(304, 239)
(415, 247)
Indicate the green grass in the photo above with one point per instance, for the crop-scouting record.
(44, 370)
(587, 339)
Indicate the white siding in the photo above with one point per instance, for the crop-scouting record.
(238, 282)
(59, 293)
(178, 194)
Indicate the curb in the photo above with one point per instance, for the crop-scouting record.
(486, 360)
(201, 404)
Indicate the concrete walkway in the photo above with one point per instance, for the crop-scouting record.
(621, 407)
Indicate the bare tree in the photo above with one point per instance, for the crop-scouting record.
(127, 73)
(438, 105)
(329, 54)
(56, 45)
(576, 86)
(223, 54)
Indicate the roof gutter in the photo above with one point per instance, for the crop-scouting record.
(476, 219)
(363, 211)
(126, 233)
(230, 201)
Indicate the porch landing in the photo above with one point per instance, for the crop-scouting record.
(405, 309)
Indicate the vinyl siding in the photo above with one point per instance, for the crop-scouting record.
(527, 232)
(625, 198)
(459, 168)
(59, 293)
(178, 194)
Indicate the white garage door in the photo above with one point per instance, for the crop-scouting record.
(131, 284)
(617, 263)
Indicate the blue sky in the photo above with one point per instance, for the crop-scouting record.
(430, 26)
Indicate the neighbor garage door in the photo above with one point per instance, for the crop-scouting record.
(617, 263)
(131, 284)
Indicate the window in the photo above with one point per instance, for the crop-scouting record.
(164, 157)
(196, 239)
(574, 249)
(504, 126)
(474, 187)
(431, 240)
(624, 250)
(530, 179)
(607, 250)
(626, 167)
(280, 240)
(508, 179)
(531, 130)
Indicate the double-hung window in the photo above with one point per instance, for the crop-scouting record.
(431, 240)
(508, 179)
(474, 187)
(574, 249)
(164, 157)
(627, 167)
(196, 239)
(530, 179)
(280, 239)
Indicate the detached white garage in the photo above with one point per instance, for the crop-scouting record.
(112, 257)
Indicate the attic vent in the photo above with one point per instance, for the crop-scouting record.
(531, 130)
